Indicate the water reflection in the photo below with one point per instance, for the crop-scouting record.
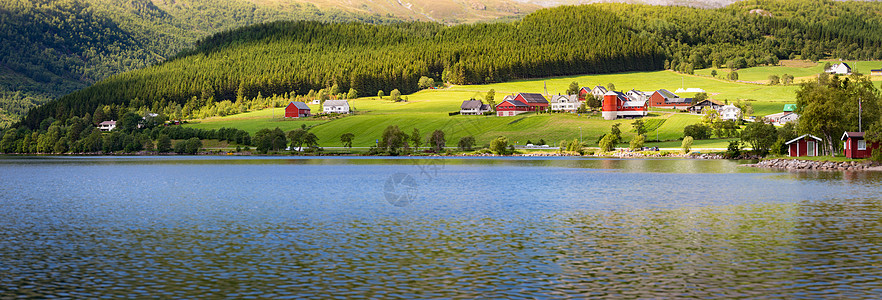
(476, 228)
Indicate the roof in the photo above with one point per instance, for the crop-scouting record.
(730, 106)
(634, 103)
(299, 105)
(471, 104)
(789, 107)
(778, 115)
(876, 70)
(706, 101)
(690, 90)
(336, 103)
(567, 98)
(485, 106)
(801, 137)
(600, 88)
(533, 98)
(111, 122)
(666, 93)
(513, 102)
(856, 135)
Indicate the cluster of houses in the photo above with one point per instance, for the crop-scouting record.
(297, 109)
(614, 105)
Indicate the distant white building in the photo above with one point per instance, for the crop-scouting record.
(473, 108)
(840, 68)
(568, 103)
(107, 125)
(689, 90)
(730, 112)
(336, 106)
(598, 92)
(782, 118)
(636, 95)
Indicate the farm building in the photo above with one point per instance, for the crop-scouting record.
(584, 92)
(598, 92)
(665, 99)
(877, 72)
(636, 95)
(617, 105)
(855, 146)
(536, 102)
(336, 106)
(789, 107)
(297, 110)
(806, 145)
(689, 90)
(473, 108)
(840, 68)
(782, 118)
(511, 108)
(568, 103)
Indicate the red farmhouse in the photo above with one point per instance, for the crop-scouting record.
(806, 145)
(584, 92)
(856, 146)
(296, 110)
(536, 102)
(511, 108)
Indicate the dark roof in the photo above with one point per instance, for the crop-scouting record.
(471, 104)
(299, 105)
(485, 106)
(513, 102)
(856, 135)
(621, 96)
(533, 98)
(708, 102)
(667, 94)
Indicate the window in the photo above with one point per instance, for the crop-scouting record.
(862, 145)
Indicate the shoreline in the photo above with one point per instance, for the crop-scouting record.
(812, 165)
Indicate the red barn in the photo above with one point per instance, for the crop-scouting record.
(296, 110)
(536, 102)
(511, 108)
(665, 99)
(806, 145)
(856, 146)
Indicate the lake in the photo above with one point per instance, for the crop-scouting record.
(313, 227)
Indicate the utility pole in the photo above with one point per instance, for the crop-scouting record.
(860, 112)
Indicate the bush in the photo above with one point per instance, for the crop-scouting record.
(697, 131)
(607, 143)
(687, 144)
(637, 142)
(499, 145)
(466, 143)
(733, 150)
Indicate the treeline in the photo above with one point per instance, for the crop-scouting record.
(53, 47)
(133, 134)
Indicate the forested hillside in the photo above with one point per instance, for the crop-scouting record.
(53, 47)
(296, 57)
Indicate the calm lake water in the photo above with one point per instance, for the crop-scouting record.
(185, 227)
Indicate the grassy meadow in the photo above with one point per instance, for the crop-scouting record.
(428, 110)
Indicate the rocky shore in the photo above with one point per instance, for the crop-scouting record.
(798, 164)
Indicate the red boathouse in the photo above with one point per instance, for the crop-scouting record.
(856, 146)
(806, 145)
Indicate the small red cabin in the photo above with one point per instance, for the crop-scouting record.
(511, 108)
(806, 145)
(297, 110)
(856, 146)
(584, 93)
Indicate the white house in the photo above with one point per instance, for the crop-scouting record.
(336, 106)
(636, 95)
(473, 108)
(568, 103)
(107, 125)
(598, 92)
(729, 112)
(840, 68)
(782, 118)
(315, 102)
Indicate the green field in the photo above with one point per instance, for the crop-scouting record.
(428, 110)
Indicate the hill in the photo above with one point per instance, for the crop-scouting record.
(53, 47)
